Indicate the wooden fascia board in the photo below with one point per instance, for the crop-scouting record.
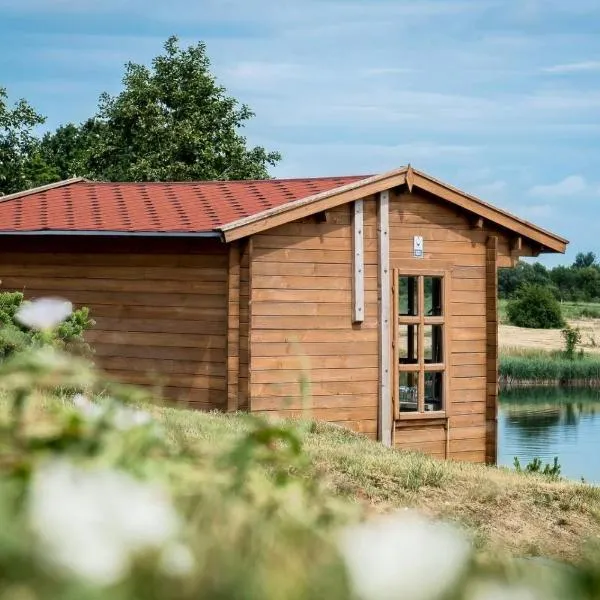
(42, 188)
(490, 213)
(311, 205)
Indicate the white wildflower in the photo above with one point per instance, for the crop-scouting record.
(91, 523)
(44, 313)
(403, 556)
(90, 410)
(177, 560)
(127, 418)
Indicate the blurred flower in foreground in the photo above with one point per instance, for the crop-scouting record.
(123, 417)
(92, 523)
(404, 557)
(44, 313)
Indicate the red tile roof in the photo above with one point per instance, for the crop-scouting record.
(190, 207)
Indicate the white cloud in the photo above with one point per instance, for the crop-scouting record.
(573, 185)
(578, 67)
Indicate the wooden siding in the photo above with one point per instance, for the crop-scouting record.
(454, 246)
(302, 329)
(160, 305)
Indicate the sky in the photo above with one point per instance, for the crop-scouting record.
(498, 97)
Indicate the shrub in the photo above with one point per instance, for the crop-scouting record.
(535, 307)
(572, 337)
(15, 337)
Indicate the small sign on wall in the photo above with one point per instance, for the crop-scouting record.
(418, 248)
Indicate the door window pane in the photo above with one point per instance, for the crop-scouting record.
(433, 296)
(408, 340)
(408, 296)
(433, 349)
(434, 391)
(408, 392)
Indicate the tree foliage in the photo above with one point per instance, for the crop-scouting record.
(21, 165)
(171, 122)
(535, 306)
(579, 282)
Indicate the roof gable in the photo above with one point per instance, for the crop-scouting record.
(410, 177)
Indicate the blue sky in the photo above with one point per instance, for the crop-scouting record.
(498, 97)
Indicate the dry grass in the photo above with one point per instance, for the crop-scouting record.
(549, 339)
(525, 515)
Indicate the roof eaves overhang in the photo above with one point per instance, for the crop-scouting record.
(548, 241)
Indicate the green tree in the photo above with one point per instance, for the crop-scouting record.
(21, 165)
(67, 148)
(535, 306)
(173, 122)
(584, 260)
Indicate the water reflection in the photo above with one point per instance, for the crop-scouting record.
(549, 422)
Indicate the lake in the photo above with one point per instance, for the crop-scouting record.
(549, 422)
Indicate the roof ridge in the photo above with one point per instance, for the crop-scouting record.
(226, 181)
(44, 188)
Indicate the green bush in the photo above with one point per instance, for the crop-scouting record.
(15, 337)
(535, 307)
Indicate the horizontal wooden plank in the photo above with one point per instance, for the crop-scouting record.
(104, 259)
(206, 327)
(200, 382)
(65, 286)
(116, 350)
(326, 296)
(291, 255)
(287, 390)
(310, 269)
(468, 333)
(458, 359)
(186, 313)
(472, 420)
(304, 348)
(74, 271)
(340, 309)
(332, 401)
(301, 336)
(469, 370)
(475, 432)
(316, 375)
(164, 366)
(344, 361)
(416, 435)
(436, 448)
(155, 339)
(299, 323)
(137, 299)
(325, 414)
(290, 282)
(468, 383)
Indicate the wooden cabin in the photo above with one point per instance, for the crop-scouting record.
(378, 291)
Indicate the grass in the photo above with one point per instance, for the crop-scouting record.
(541, 367)
(507, 512)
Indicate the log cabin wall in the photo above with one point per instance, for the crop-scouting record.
(160, 305)
(457, 245)
(301, 314)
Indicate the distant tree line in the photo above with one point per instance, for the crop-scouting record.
(171, 122)
(579, 282)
